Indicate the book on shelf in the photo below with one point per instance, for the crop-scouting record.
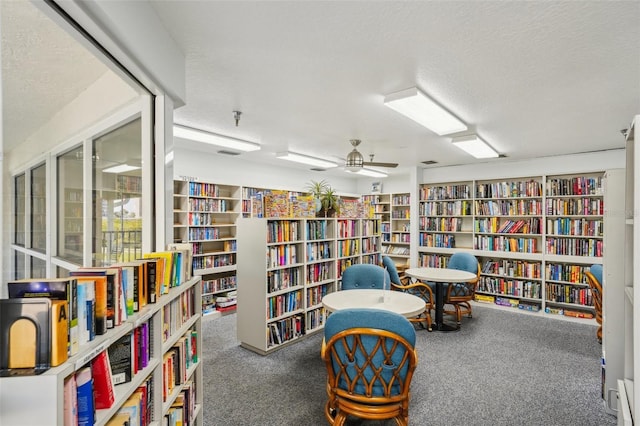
(100, 290)
(120, 419)
(133, 407)
(54, 289)
(70, 409)
(187, 250)
(86, 407)
(121, 353)
(103, 387)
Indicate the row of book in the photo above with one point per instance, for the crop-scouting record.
(401, 238)
(218, 284)
(445, 208)
(347, 248)
(282, 255)
(437, 240)
(502, 243)
(283, 303)
(445, 192)
(575, 206)
(214, 261)
(567, 293)
(566, 272)
(318, 251)
(280, 231)
(567, 226)
(318, 272)
(446, 224)
(511, 287)
(401, 200)
(528, 188)
(209, 205)
(281, 279)
(317, 230)
(315, 318)
(575, 186)
(315, 294)
(512, 268)
(575, 246)
(508, 207)
(284, 330)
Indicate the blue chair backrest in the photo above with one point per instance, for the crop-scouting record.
(365, 276)
(390, 266)
(596, 270)
(346, 319)
(463, 262)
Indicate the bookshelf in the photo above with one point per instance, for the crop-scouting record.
(628, 399)
(381, 204)
(169, 319)
(400, 238)
(280, 300)
(534, 236)
(204, 215)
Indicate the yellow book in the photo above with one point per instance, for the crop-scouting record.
(59, 328)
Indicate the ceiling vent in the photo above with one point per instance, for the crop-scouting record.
(429, 162)
(318, 169)
(225, 152)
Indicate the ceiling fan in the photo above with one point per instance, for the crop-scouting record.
(355, 161)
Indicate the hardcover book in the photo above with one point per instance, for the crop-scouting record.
(120, 358)
(103, 391)
(86, 408)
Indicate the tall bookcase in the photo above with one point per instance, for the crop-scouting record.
(280, 300)
(534, 236)
(393, 210)
(628, 399)
(205, 215)
(39, 400)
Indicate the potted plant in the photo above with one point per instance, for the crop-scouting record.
(316, 188)
(330, 202)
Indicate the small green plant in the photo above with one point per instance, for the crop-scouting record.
(317, 188)
(329, 200)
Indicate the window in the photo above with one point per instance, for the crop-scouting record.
(117, 195)
(19, 210)
(39, 208)
(70, 205)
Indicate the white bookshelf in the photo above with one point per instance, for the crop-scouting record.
(39, 400)
(285, 292)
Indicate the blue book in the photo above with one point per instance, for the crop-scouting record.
(86, 407)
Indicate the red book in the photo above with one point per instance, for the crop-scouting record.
(103, 391)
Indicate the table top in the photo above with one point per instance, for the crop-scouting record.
(440, 274)
(401, 303)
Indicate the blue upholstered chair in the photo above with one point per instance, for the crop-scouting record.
(594, 277)
(370, 359)
(459, 295)
(365, 276)
(419, 289)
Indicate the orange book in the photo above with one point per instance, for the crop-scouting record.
(59, 331)
(101, 307)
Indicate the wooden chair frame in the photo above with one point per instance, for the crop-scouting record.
(345, 376)
(461, 302)
(424, 292)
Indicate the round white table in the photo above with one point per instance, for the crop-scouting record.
(441, 276)
(401, 303)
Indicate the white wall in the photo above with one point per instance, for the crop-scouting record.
(228, 170)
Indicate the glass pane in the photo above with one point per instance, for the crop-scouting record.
(38, 268)
(70, 203)
(19, 213)
(39, 208)
(117, 196)
(61, 272)
(19, 263)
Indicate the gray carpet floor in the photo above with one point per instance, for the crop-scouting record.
(501, 368)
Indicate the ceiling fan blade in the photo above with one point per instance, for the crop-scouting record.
(377, 164)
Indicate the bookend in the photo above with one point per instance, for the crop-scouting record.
(37, 312)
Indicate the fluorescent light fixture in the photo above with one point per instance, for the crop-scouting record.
(475, 146)
(214, 139)
(425, 111)
(305, 159)
(368, 172)
(120, 168)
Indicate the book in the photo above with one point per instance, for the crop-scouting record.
(70, 410)
(120, 419)
(99, 280)
(83, 331)
(114, 311)
(132, 406)
(55, 289)
(86, 408)
(59, 330)
(25, 335)
(187, 249)
(120, 359)
(103, 387)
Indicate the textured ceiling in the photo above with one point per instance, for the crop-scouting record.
(43, 69)
(532, 78)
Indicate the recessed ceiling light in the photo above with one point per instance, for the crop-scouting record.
(425, 111)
